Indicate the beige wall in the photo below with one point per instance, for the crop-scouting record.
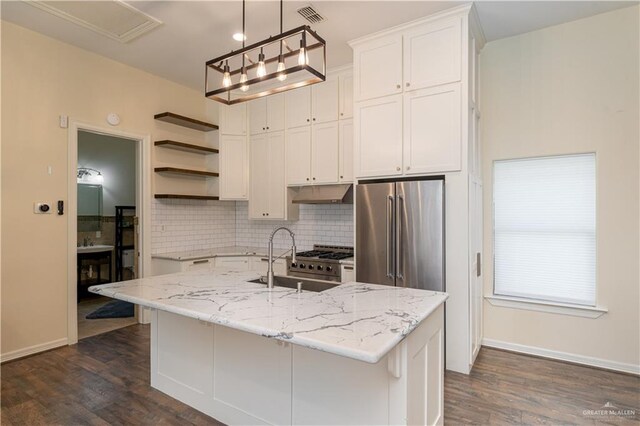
(43, 78)
(568, 89)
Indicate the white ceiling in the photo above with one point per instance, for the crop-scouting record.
(196, 31)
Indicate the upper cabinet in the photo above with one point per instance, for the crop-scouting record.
(346, 96)
(233, 119)
(234, 172)
(410, 99)
(267, 114)
(298, 107)
(378, 68)
(324, 102)
(432, 54)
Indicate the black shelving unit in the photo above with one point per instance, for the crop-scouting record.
(124, 223)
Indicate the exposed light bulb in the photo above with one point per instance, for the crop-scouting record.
(302, 56)
(239, 37)
(282, 76)
(262, 69)
(243, 80)
(226, 76)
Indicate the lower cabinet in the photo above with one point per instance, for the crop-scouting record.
(232, 263)
(256, 264)
(348, 273)
(169, 266)
(261, 266)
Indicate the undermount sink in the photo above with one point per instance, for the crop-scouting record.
(94, 249)
(292, 282)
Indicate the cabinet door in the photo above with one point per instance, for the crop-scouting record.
(233, 119)
(475, 271)
(298, 107)
(259, 177)
(378, 137)
(232, 263)
(346, 96)
(258, 116)
(277, 186)
(432, 130)
(234, 168)
(324, 102)
(299, 156)
(324, 153)
(432, 54)
(378, 68)
(197, 265)
(346, 151)
(275, 112)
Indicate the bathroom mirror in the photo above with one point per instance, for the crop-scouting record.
(89, 207)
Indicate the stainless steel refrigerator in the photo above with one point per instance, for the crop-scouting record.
(400, 233)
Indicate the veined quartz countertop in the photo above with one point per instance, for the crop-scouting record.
(218, 252)
(355, 320)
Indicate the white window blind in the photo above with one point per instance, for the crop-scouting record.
(545, 228)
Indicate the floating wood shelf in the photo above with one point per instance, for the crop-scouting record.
(191, 123)
(188, 172)
(181, 146)
(187, 197)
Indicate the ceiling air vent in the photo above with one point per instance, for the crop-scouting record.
(114, 19)
(311, 15)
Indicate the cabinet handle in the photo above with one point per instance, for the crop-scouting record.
(198, 262)
(397, 86)
(408, 84)
(263, 128)
(314, 119)
(342, 113)
(267, 127)
(307, 120)
(408, 167)
(314, 178)
(341, 177)
(307, 178)
(397, 169)
(348, 268)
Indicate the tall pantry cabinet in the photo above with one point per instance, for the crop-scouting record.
(416, 114)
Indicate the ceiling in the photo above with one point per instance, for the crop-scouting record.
(196, 31)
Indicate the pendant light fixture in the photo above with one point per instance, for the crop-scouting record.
(267, 67)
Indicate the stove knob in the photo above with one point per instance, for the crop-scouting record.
(293, 265)
(310, 266)
(329, 268)
(319, 268)
(300, 265)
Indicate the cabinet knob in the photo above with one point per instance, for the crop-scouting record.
(342, 113)
(314, 119)
(397, 169)
(263, 128)
(267, 214)
(408, 84)
(314, 178)
(267, 127)
(341, 177)
(408, 167)
(397, 86)
(307, 178)
(307, 120)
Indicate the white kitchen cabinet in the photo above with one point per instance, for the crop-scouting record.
(234, 167)
(348, 273)
(324, 153)
(298, 107)
(432, 130)
(260, 265)
(267, 114)
(346, 151)
(232, 263)
(378, 68)
(378, 137)
(475, 272)
(324, 102)
(170, 266)
(432, 54)
(233, 119)
(299, 156)
(346, 96)
(267, 177)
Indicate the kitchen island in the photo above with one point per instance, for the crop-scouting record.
(354, 354)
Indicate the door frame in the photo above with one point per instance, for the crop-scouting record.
(143, 204)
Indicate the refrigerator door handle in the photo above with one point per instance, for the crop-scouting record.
(399, 248)
(390, 208)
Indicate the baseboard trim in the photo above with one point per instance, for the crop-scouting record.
(20, 353)
(563, 356)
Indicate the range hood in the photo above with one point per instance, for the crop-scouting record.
(324, 194)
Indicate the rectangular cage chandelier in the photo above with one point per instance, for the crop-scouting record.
(291, 59)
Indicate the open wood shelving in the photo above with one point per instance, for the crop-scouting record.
(187, 147)
(186, 197)
(190, 123)
(186, 172)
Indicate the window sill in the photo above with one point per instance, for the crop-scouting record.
(550, 307)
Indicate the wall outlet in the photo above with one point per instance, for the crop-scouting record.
(64, 121)
(98, 234)
(42, 208)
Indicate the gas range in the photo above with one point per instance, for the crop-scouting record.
(321, 263)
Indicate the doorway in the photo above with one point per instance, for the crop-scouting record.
(108, 212)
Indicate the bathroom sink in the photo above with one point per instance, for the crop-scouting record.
(292, 282)
(94, 249)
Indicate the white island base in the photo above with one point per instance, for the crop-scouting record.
(242, 378)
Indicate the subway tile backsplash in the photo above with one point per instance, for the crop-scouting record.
(186, 225)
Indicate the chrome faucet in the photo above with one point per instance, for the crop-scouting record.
(270, 265)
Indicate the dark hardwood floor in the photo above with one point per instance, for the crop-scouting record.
(105, 380)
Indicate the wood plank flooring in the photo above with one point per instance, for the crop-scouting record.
(105, 380)
(93, 327)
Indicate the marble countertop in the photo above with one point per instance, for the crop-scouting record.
(218, 252)
(355, 320)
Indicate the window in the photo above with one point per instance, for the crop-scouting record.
(545, 228)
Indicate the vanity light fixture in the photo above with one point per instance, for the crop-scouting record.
(262, 68)
(89, 176)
